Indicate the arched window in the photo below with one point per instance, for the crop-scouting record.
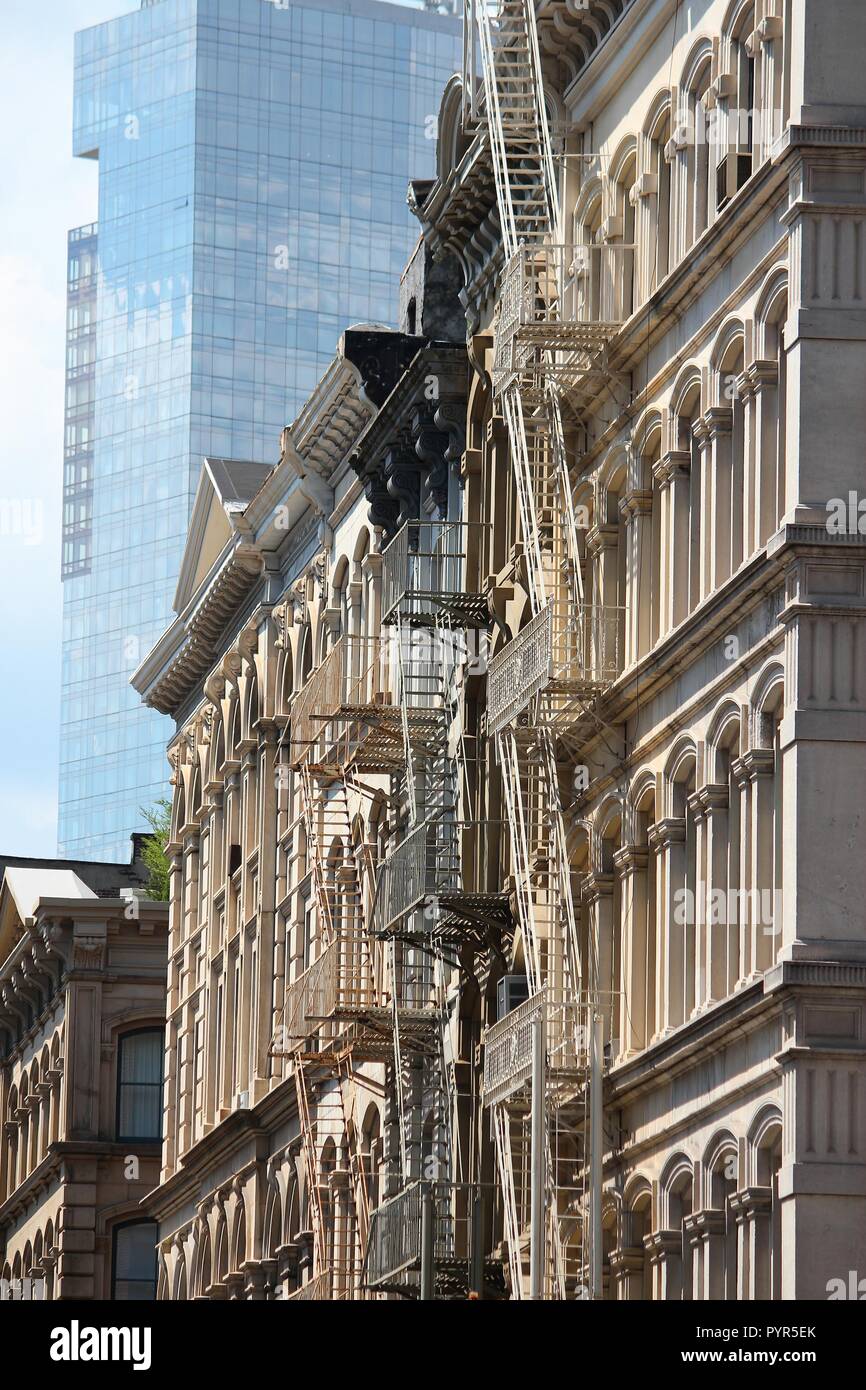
(688, 596)
(767, 1277)
(612, 572)
(139, 1084)
(133, 1265)
(727, 840)
(372, 1154)
(743, 134)
(661, 170)
(772, 388)
(681, 872)
(720, 1254)
(652, 599)
(624, 266)
(744, 72)
(729, 470)
(700, 173)
(607, 914)
(587, 264)
(644, 947)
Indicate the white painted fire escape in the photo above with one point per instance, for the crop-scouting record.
(550, 343)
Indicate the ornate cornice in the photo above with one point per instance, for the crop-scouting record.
(204, 628)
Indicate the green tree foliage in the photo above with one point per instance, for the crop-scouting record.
(153, 849)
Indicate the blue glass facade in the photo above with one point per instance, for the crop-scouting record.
(253, 162)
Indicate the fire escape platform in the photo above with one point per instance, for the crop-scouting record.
(368, 738)
(430, 576)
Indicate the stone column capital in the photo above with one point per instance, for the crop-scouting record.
(761, 374)
(631, 859)
(667, 832)
(750, 1202)
(627, 1261)
(697, 807)
(600, 538)
(718, 420)
(636, 503)
(663, 1244)
(675, 464)
(699, 1225)
(597, 886)
(372, 564)
(759, 762)
(714, 796)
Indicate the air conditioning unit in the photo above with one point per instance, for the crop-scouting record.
(732, 173)
(511, 991)
(242, 1100)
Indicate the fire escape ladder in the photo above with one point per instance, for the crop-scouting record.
(549, 338)
(360, 1184)
(337, 876)
(398, 1062)
(505, 1162)
(314, 1191)
(517, 123)
(445, 1084)
(514, 763)
(337, 1200)
(404, 667)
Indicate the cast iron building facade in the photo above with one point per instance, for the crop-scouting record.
(520, 711)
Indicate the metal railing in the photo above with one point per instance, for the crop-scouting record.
(508, 1043)
(508, 1050)
(339, 982)
(317, 1290)
(356, 675)
(429, 568)
(519, 671)
(394, 1242)
(582, 650)
(562, 298)
(426, 864)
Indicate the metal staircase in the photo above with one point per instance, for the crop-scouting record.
(526, 188)
(546, 345)
(431, 608)
(336, 1180)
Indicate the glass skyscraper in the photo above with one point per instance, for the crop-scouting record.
(253, 162)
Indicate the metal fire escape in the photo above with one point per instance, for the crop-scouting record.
(426, 1239)
(349, 1006)
(543, 1059)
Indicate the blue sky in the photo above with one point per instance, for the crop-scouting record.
(44, 192)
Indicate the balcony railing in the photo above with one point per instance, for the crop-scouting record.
(508, 1044)
(508, 1050)
(559, 306)
(424, 874)
(394, 1243)
(355, 706)
(430, 570)
(425, 865)
(337, 986)
(569, 657)
(346, 701)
